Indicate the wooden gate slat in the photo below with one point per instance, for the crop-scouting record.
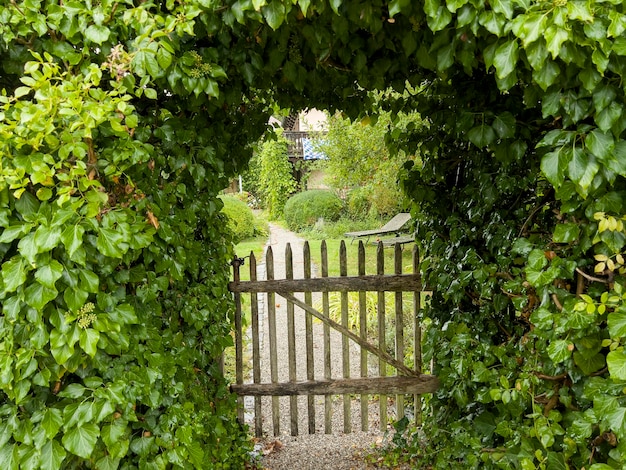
(238, 340)
(399, 326)
(291, 342)
(345, 344)
(271, 320)
(256, 349)
(328, 404)
(382, 329)
(363, 335)
(310, 371)
(417, 338)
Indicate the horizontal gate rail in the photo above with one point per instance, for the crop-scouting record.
(370, 283)
(392, 385)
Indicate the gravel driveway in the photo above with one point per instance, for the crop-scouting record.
(337, 451)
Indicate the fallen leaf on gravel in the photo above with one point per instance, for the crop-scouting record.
(271, 447)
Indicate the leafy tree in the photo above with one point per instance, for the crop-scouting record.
(275, 175)
(358, 159)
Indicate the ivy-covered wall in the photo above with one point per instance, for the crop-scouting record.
(120, 121)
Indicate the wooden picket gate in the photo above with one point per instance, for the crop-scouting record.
(404, 381)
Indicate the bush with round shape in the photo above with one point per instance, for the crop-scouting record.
(240, 218)
(304, 209)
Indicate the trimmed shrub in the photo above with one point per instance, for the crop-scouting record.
(304, 209)
(240, 218)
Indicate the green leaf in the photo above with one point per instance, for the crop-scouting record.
(97, 34)
(600, 144)
(559, 350)
(9, 457)
(553, 166)
(481, 135)
(111, 243)
(81, 440)
(536, 260)
(52, 421)
(88, 341)
(440, 19)
(617, 324)
(14, 273)
(616, 362)
(547, 74)
(396, 6)
(582, 168)
(504, 124)
(37, 295)
(75, 298)
(109, 462)
(591, 364)
(530, 27)
(274, 14)
(505, 58)
(14, 231)
(89, 281)
(72, 238)
(555, 37)
(74, 390)
(28, 247)
(566, 233)
(49, 274)
(52, 456)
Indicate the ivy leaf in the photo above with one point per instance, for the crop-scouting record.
(97, 34)
(396, 6)
(481, 135)
(505, 58)
(591, 364)
(617, 324)
(600, 144)
(37, 295)
(274, 14)
(553, 166)
(9, 457)
(52, 455)
(504, 125)
(555, 37)
(81, 440)
(582, 168)
(616, 362)
(14, 273)
(88, 341)
(52, 421)
(547, 74)
(559, 350)
(111, 243)
(108, 462)
(566, 233)
(72, 239)
(49, 274)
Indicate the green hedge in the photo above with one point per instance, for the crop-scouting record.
(240, 218)
(304, 209)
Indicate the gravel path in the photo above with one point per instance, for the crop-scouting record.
(337, 451)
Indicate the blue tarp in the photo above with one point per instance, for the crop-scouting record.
(309, 151)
